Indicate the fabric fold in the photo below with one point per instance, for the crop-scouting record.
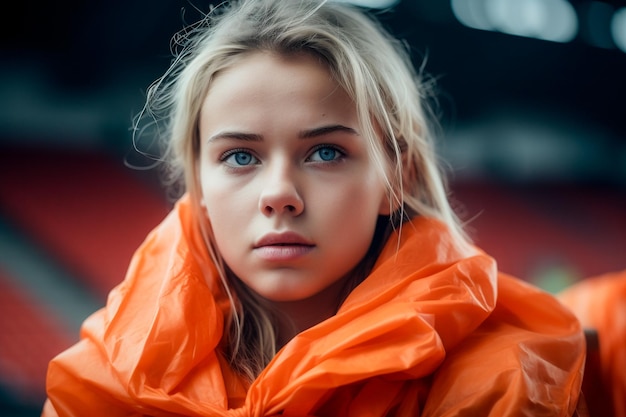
(430, 329)
(599, 302)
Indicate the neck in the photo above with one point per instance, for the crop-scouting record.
(302, 314)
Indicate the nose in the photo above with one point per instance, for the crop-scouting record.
(279, 194)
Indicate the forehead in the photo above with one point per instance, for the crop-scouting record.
(266, 86)
(248, 69)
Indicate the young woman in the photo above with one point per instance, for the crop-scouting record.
(313, 265)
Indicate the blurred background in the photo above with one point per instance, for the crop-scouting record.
(531, 102)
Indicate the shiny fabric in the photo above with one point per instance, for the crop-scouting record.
(429, 332)
(600, 304)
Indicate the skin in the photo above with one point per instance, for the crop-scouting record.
(289, 188)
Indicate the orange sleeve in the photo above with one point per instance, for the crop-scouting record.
(600, 303)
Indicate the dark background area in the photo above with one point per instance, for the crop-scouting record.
(534, 133)
(94, 59)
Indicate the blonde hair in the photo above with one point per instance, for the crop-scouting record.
(372, 67)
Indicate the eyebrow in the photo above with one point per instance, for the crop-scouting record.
(305, 134)
(325, 130)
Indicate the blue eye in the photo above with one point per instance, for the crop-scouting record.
(325, 154)
(240, 158)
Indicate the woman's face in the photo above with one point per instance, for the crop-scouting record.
(289, 188)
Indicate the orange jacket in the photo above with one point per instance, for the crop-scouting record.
(600, 304)
(427, 333)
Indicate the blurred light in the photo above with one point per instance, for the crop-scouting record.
(471, 13)
(551, 20)
(618, 28)
(371, 4)
(598, 22)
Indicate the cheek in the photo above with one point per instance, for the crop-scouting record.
(350, 205)
(223, 202)
(225, 208)
(227, 220)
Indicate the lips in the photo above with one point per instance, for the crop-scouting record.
(282, 247)
(282, 239)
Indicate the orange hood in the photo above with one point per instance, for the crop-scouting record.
(429, 332)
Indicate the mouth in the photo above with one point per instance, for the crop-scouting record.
(288, 244)
(283, 240)
(283, 247)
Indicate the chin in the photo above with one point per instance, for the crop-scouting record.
(285, 297)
